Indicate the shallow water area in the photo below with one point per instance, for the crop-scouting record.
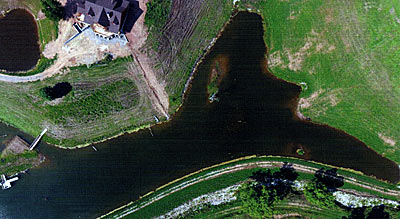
(19, 47)
(255, 115)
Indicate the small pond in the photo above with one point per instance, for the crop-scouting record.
(57, 91)
(19, 47)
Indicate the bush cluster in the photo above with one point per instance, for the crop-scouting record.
(52, 9)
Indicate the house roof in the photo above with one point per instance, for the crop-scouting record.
(107, 13)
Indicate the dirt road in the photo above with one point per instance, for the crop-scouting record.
(77, 50)
(137, 38)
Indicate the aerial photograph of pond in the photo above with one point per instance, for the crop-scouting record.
(205, 109)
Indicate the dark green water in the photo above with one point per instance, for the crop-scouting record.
(254, 116)
(19, 47)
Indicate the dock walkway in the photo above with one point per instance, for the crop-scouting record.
(37, 139)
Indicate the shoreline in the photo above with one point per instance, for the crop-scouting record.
(20, 73)
(200, 60)
(250, 162)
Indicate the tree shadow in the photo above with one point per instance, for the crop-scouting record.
(378, 212)
(133, 14)
(280, 181)
(70, 8)
(329, 178)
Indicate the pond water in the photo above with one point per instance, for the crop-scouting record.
(254, 116)
(19, 47)
(57, 91)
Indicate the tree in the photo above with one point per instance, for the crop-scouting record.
(258, 197)
(319, 195)
(281, 181)
(378, 212)
(356, 213)
(256, 202)
(52, 9)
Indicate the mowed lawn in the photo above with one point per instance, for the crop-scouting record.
(346, 56)
(105, 100)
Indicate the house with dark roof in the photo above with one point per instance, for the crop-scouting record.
(106, 17)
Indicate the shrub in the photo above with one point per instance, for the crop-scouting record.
(156, 17)
(52, 9)
(319, 195)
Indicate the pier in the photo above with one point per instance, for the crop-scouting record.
(6, 183)
(37, 139)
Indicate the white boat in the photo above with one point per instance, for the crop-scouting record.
(6, 183)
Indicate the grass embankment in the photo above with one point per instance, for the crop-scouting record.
(181, 42)
(47, 31)
(226, 174)
(11, 164)
(104, 102)
(345, 54)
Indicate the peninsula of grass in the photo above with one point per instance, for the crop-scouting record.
(11, 164)
(217, 177)
(345, 54)
(342, 53)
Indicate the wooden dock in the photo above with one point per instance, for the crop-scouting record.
(37, 139)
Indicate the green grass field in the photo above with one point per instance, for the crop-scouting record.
(104, 102)
(202, 22)
(230, 210)
(11, 164)
(345, 55)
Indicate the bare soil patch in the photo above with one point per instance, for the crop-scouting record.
(16, 146)
(156, 90)
(387, 140)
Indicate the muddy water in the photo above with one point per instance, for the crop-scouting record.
(19, 48)
(254, 116)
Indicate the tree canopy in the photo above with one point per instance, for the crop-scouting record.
(258, 196)
(52, 9)
(320, 190)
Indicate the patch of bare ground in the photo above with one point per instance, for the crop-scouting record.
(321, 100)
(41, 15)
(280, 216)
(155, 88)
(16, 146)
(387, 140)
(84, 49)
(315, 43)
(305, 103)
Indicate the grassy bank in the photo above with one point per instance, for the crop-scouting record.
(104, 102)
(214, 178)
(344, 54)
(181, 42)
(11, 164)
